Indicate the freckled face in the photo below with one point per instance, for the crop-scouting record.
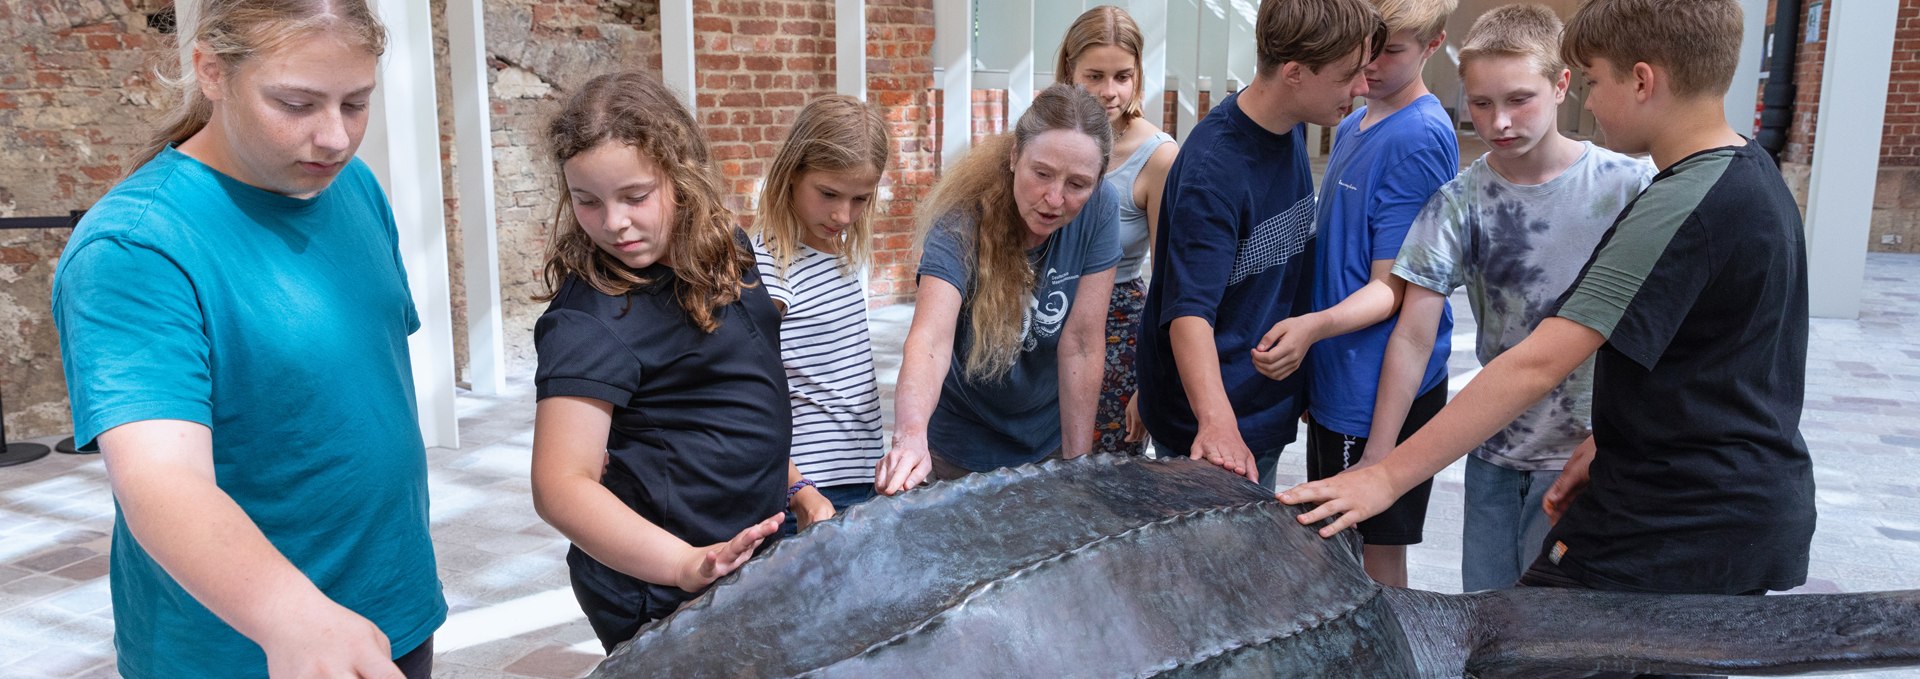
(290, 119)
(623, 202)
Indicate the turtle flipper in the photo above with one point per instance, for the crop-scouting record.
(1532, 632)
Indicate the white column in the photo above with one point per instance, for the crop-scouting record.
(479, 236)
(402, 147)
(850, 47)
(1215, 38)
(953, 54)
(1183, 60)
(1745, 90)
(1017, 24)
(1846, 152)
(676, 50)
(1051, 18)
(1151, 15)
(1243, 60)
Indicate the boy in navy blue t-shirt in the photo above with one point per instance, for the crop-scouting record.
(1235, 256)
(1388, 158)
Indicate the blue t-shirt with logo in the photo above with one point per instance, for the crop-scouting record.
(281, 324)
(982, 426)
(1377, 181)
(1235, 250)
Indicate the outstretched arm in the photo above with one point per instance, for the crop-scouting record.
(1217, 438)
(1507, 387)
(1408, 350)
(923, 367)
(1285, 345)
(569, 454)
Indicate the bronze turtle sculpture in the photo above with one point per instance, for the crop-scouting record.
(1127, 567)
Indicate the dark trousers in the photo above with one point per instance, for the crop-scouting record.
(417, 663)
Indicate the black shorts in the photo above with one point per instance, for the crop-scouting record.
(1330, 452)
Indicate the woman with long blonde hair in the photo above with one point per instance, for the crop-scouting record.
(251, 390)
(1002, 363)
(660, 441)
(1101, 53)
(813, 235)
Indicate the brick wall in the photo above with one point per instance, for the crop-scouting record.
(75, 92)
(759, 62)
(538, 51)
(1896, 200)
(1901, 147)
(76, 102)
(900, 78)
(1896, 196)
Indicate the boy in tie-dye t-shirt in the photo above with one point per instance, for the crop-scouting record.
(1515, 228)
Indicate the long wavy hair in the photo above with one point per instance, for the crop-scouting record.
(838, 134)
(980, 189)
(236, 30)
(1098, 27)
(636, 110)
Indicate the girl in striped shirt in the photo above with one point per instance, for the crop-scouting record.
(813, 235)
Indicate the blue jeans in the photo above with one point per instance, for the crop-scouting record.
(1264, 461)
(842, 496)
(1504, 526)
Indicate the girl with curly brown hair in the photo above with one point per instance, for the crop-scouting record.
(662, 433)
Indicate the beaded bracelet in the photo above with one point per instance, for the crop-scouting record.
(795, 488)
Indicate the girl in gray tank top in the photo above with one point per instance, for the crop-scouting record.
(1101, 52)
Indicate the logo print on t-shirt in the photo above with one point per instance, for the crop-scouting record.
(1044, 319)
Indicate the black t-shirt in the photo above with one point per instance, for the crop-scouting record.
(1702, 483)
(701, 426)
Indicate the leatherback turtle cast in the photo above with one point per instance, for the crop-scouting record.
(1126, 567)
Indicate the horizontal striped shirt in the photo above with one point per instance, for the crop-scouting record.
(828, 355)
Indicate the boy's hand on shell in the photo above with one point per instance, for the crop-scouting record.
(1225, 449)
(1347, 498)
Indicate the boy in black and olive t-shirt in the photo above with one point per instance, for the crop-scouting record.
(1696, 302)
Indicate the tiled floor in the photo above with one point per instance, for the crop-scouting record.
(514, 616)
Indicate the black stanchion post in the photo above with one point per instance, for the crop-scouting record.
(21, 453)
(17, 453)
(68, 446)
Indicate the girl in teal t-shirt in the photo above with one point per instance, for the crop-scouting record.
(233, 324)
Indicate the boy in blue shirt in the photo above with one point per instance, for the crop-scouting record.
(1235, 251)
(1388, 159)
